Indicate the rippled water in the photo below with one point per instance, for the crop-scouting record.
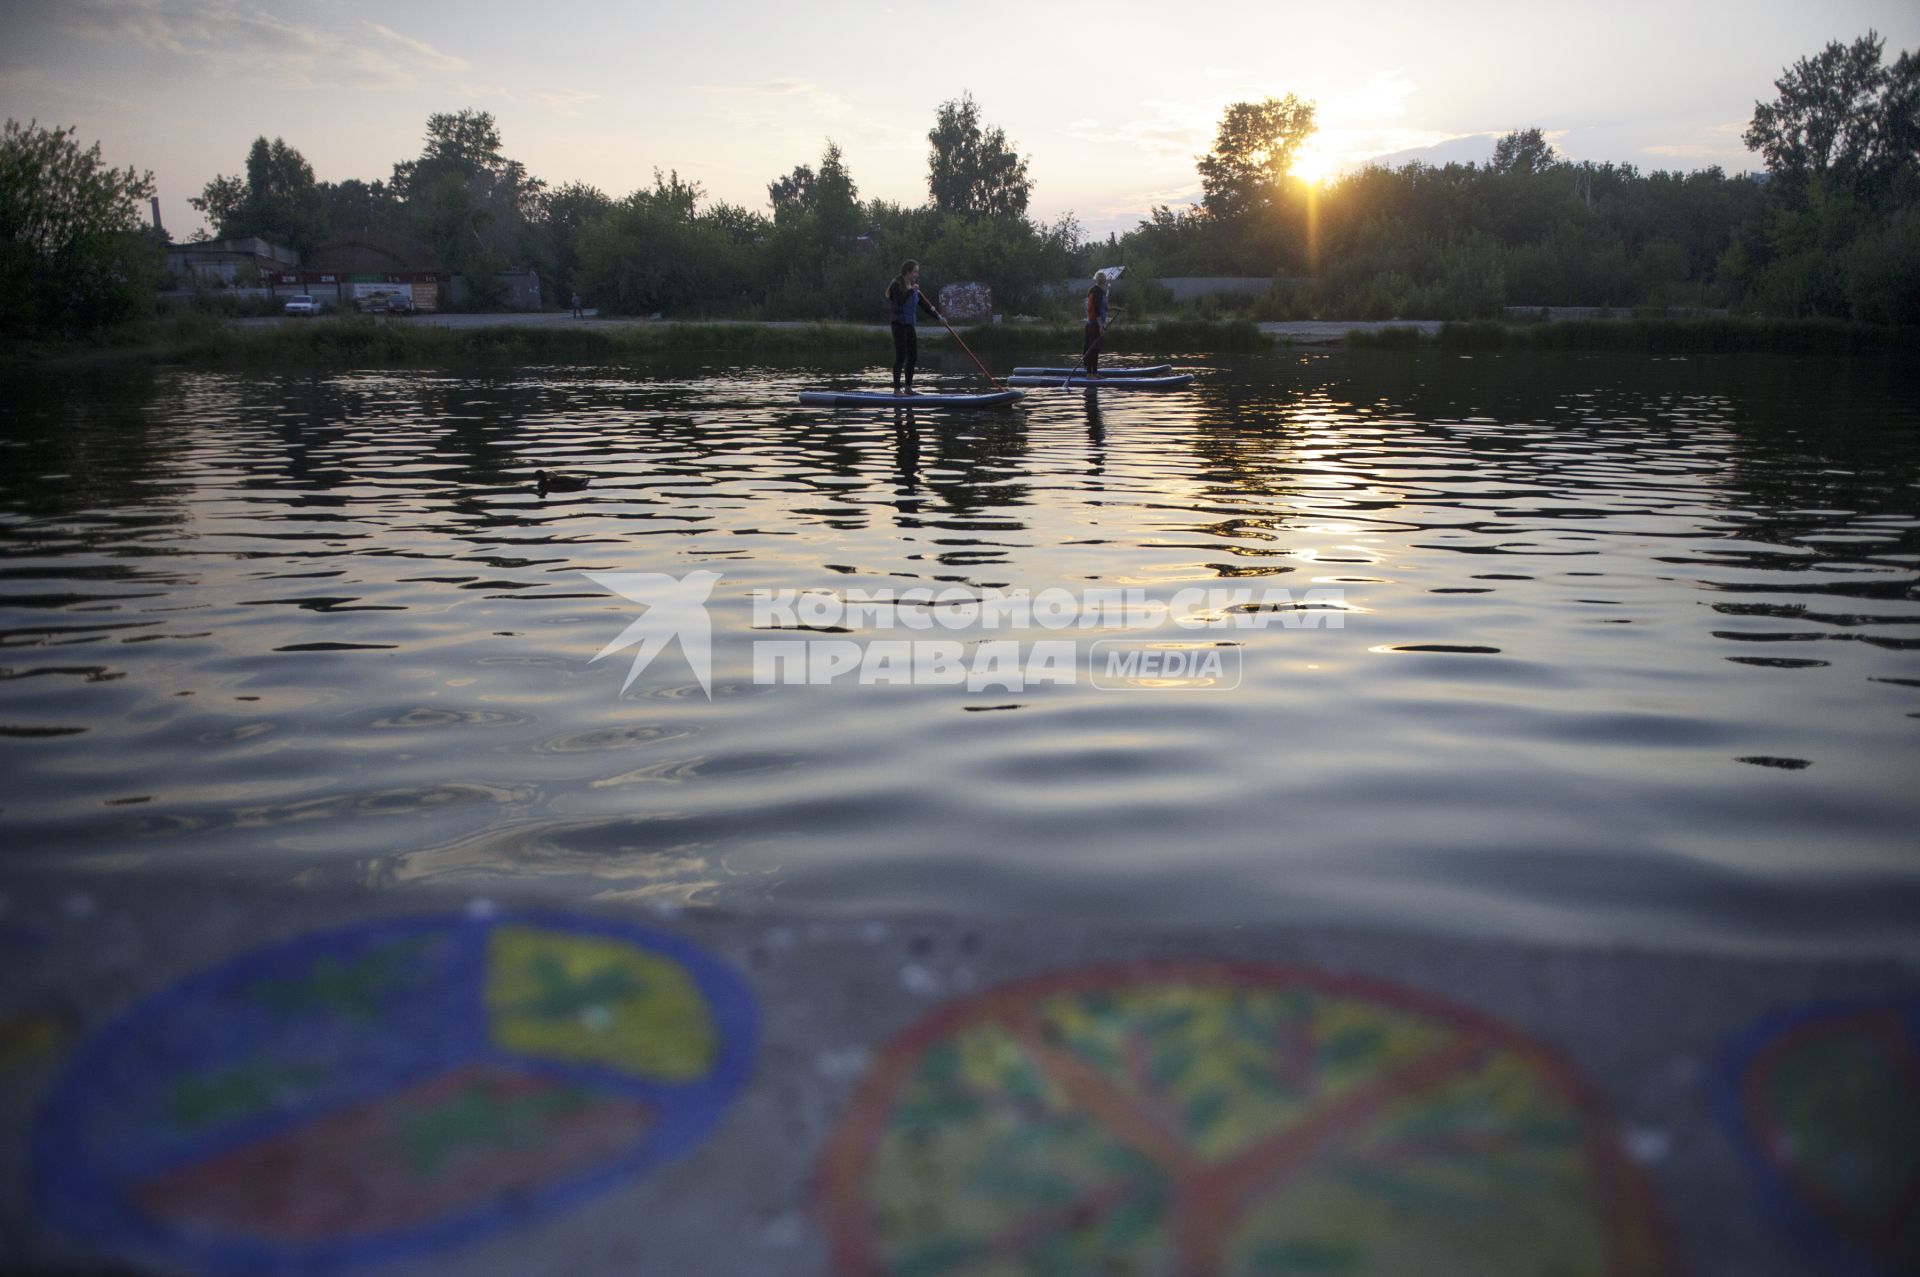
(1629, 644)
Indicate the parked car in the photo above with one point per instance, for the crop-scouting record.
(302, 304)
(399, 304)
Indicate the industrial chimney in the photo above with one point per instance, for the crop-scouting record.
(155, 201)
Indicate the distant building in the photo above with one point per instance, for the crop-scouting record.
(228, 263)
(367, 267)
(364, 269)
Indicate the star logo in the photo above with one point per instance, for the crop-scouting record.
(676, 607)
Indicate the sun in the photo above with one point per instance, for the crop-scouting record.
(1315, 163)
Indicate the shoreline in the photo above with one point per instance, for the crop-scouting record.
(515, 338)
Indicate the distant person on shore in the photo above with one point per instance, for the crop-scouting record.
(1096, 329)
(577, 312)
(904, 304)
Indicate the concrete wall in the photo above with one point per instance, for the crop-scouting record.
(329, 296)
(235, 294)
(220, 261)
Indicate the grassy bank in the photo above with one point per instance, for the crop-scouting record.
(350, 340)
(355, 341)
(1165, 337)
(1654, 336)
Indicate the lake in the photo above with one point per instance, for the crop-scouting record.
(1603, 648)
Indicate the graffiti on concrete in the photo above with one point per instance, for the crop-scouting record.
(1201, 1118)
(970, 303)
(1825, 1103)
(389, 1089)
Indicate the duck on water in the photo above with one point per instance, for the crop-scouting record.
(559, 481)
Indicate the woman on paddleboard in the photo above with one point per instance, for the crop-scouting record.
(904, 304)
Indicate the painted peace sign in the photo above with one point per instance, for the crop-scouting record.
(389, 1089)
(1200, 1118)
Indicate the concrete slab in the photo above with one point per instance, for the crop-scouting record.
(215, 1077)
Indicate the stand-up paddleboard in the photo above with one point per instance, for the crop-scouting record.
(1149, 370)
(1080, 381)
(882, 399)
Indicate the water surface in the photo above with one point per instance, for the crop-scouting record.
(1628, 653)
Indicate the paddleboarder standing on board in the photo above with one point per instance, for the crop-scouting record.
(1096, 323)
(904, 304)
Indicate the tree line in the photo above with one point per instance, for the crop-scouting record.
(813, 252)
(1831, 227)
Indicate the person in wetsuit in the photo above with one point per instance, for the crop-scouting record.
(904, 304)
(1096, 324)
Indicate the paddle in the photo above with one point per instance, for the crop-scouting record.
(1097, 340)
(963, 345)
(1088, 351)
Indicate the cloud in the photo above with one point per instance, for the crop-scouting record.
(1422, 146)
(785, 96)
(1682, 150)
(789, 120)
(76, 93)
(1176, 131)
(1141, 203)
(233, 41)
(1715, 142)
(16, 79)
(1383, 97)
(425, 52)
(567, 102)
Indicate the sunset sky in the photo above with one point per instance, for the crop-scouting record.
(1111, 102)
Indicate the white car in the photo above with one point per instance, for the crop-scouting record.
(302, 304)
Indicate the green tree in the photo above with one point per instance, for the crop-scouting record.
(467, 144)
(356, 206)
(466, 198)
(742, 226)
(222, 202)
(835, 198)
(792, 193)
(974, 171)
(1883, 271)
(564, 214)
(73, 254)
(809, 264)
(1252, 154)
(1842, 147)
(282, 193)
(277, 200)
(1523, 151)
(1844, 116)
(656, 251)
